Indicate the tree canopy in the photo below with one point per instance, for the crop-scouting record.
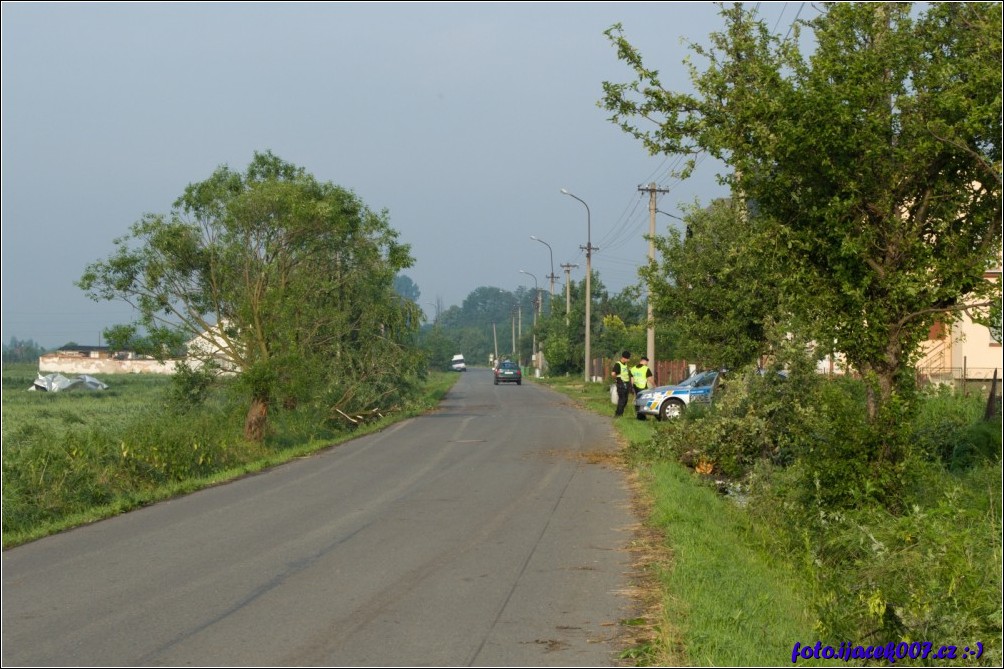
(287, 280)
(720, 285)
(875, 160)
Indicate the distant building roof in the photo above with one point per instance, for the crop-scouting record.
(84, 349)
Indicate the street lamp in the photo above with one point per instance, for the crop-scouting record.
(589, 272)
(551, 277)
(536, 290)
(666, 213)
(670, 215)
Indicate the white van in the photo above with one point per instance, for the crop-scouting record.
(458, 364)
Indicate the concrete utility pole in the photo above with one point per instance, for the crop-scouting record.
(519, 340)
(568, 288)
(536, 311)
(652, 190)
(514, 334)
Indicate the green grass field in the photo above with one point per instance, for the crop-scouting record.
(76, 456)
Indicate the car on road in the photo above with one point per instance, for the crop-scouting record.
(508, 371)
(670, 401)
(458, 364)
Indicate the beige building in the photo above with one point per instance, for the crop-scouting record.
(100, 360)
(963, 351)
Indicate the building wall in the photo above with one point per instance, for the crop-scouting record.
(53, 362)
(966, 350)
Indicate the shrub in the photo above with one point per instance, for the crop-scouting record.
(756, 416)
(933, 572)
(941, 417)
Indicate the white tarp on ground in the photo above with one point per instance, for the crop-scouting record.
(54, 383)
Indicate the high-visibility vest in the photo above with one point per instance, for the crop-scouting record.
(639, 376)
(625, 372)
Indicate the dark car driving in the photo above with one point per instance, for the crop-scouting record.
(508, 372)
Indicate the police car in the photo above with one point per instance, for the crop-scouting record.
(670, 401)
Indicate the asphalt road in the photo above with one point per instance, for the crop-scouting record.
(485, 533)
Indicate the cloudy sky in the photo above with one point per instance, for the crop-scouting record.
(463, 120)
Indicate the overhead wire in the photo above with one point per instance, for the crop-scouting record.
(633, 219)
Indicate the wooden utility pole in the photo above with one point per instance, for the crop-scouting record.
(652, 190)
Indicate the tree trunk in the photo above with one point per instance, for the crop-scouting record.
(256, 421)
(883, 385)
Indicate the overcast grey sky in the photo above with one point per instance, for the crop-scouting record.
(463, 120)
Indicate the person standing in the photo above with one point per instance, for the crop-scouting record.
(641, 378)
(622, 377)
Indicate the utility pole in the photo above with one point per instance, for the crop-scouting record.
(652, 190)
(514, 333)
(519, 339)
(568, 290)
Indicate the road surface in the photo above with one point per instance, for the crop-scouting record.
(490, 532)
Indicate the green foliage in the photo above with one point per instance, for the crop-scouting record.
(22, 350)
(932, 571)
(290, 279)
(979, 444)
(719, 285)
(873, 163)
(190, 387)
(406, 288)
(439, 349)
(895, 552)
(564, 354)
(73, 456)
(756, 416)
(616, 336)
(942, 418)
(487, 315)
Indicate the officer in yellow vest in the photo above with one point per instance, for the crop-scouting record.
(622, 377)
(641, 376)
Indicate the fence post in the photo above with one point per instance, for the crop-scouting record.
(991, 411)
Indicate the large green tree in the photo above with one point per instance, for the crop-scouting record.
(877, 157)
(719, 284)
(292, 279)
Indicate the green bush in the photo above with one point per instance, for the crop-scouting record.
(941, 417)
(755, 417)
(978, 444)
(897, 521)
(933, 572)
(191, 387)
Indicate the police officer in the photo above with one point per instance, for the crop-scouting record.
(641, 379)
(622, 377)
(641, 376)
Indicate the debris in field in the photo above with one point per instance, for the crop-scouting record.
(54, 383)
(364, 417)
